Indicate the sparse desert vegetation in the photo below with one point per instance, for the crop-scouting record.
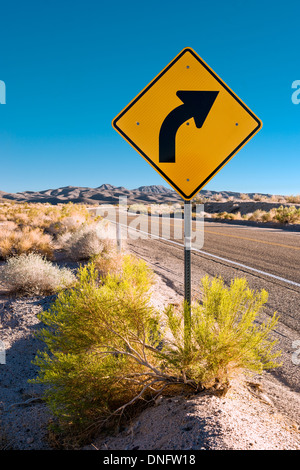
(32, 235)
(88, 241)
(293, 199)
(282, 215)
(15, 240)
(43, 215)
(31, 274)
(34, 228)
(156, 209)
(288, 214)
(218, 197)
(107, 349)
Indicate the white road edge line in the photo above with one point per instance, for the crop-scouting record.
(273, 276)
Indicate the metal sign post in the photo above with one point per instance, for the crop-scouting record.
(187, 272)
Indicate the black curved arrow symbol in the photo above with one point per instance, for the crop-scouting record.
(196, 104)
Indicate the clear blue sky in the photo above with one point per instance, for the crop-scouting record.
(71, 66)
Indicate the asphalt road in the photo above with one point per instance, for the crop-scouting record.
(274, 251)
(271, 250)
(269, 258)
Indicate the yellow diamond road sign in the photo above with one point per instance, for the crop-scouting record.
(187, 123)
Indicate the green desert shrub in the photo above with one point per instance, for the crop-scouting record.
(225, 215)
(32, 274)
(96, 335)
(106, 348)
(287, 214)
(225, 336)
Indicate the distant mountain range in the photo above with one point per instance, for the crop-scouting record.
(109, 194)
